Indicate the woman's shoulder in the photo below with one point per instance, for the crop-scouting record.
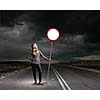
(40, 51)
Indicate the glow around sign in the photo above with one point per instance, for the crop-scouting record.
(53, 34)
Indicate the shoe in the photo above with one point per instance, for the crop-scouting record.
(35, 83)
(40, 83)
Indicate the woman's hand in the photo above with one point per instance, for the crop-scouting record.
(49, 59)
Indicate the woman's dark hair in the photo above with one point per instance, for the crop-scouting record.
(32, 46)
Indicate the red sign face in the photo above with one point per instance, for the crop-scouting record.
(53, 34)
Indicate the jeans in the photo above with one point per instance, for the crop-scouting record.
(37, 67)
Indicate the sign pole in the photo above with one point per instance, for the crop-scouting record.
(51, 48)
(52, 35)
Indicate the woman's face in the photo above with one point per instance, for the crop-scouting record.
(35, 49)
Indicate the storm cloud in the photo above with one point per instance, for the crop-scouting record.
(15, 42)
(69, 45)
(79, 33)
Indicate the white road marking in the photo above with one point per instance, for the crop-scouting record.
(61, 83)
(61, 80)
(64, 81)
(87, 69)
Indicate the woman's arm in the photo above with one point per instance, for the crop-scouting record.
(44, 56)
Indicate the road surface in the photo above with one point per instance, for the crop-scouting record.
(61, 78)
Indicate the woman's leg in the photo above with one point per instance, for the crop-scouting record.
(34, 72)
(40, 72)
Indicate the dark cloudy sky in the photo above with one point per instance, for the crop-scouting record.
(80, 33)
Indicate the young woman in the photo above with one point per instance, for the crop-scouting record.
(36, 54)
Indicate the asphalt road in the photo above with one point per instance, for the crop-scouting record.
(61, 78)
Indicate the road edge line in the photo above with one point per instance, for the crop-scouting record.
(66, 84)
(61, 83)
(87, 69)
(62, 79)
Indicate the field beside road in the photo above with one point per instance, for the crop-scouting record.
(90, 64)
(9, 67)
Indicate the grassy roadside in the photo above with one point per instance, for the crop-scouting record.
(10, 67)
(91, 64)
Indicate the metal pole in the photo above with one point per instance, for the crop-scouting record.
(49, 62)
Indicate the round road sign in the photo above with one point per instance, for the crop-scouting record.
(53, 34)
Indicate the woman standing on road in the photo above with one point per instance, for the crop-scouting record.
(36, 53)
